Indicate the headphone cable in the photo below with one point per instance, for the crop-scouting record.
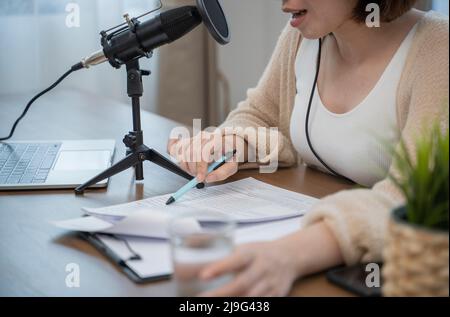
(308, 112)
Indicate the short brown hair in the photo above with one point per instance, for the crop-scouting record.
(389, 9)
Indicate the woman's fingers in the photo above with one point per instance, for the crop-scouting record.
(192, 168)
(256, 269)
(202, 169)
(189, 156)
(195, 154)
(234, 262)
(170, 145)
(227, 170)
(173, 148)
(185, 157)
(221, 147)
(235, 288)
(199, 155)
(240, 285)
(176, 149)
(206, 155)
(260, 289)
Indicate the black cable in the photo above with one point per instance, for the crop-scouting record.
(308, 112)
(71, 70)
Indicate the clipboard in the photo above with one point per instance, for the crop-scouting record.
(121, 264)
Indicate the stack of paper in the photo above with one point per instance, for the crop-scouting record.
(155, 253)
(263, 212)
(248, 201)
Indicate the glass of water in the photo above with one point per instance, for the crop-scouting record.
(197, 239)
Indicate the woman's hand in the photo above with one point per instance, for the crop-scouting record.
(195, 154)
(259, 269)
(270, 268)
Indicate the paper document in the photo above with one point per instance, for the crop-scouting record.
(155, 254)
(141, 224)
(247, 201)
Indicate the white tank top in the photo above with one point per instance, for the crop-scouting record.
(353, 143)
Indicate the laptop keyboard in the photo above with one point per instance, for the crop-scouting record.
(26, 163)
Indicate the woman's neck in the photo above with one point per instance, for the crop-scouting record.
(357, 43)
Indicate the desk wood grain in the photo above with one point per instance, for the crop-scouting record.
(34, 254)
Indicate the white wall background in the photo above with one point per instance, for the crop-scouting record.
(255, 26)
(37, 47)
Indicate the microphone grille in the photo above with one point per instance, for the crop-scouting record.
(177, 22)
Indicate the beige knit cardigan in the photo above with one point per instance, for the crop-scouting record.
(358, 218)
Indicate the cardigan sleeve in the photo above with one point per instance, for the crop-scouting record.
(260, 111)
(358, 218)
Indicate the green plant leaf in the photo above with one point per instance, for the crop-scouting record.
(422, 176)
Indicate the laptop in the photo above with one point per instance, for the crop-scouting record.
(53, 164)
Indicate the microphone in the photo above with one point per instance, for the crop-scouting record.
(129, 43)
(140, 39)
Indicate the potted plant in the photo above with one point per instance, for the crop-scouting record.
(416, 251)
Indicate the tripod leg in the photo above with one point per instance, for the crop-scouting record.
(139, 171)
(157, 158)
(129, 161)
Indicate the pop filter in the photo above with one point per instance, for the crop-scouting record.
(214, 19)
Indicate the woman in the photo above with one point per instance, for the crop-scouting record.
(370, 80)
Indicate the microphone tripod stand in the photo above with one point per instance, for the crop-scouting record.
(137, 151)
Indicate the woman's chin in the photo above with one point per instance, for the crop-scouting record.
(309, 33)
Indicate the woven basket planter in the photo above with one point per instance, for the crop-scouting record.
(415, 259)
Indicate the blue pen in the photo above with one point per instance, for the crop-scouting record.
(183, 190)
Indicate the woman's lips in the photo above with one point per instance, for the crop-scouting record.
(297, 18)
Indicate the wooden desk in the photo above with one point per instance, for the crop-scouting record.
(34, 254)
